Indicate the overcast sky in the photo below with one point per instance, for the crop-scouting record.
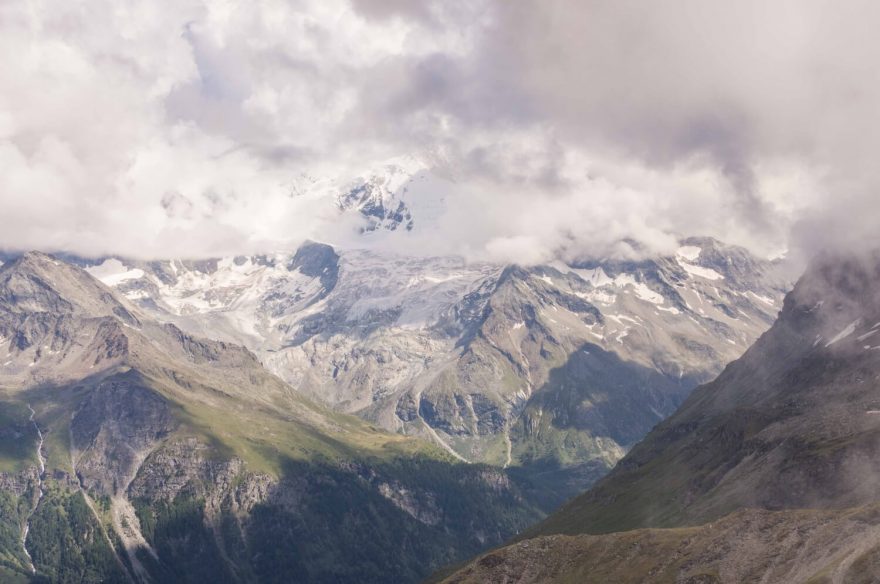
(156, 128)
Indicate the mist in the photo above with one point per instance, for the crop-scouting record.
(155, 129)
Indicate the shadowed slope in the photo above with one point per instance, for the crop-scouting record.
(792, 425)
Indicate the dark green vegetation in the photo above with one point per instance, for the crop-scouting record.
(17, 436)
(13, 511)
(186, 547)
(341, 529)
(67, 543)
(791, 429)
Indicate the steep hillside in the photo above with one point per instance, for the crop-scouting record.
(132, 451)
(554, 369)
(805, 546)
(792, 427)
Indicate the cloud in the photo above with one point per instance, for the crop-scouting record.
(154, 128)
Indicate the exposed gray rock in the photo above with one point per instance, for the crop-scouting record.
(470, 355)
(115, 426)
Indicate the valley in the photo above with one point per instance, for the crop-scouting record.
(483, 397)
(438, 292)
(766, 473)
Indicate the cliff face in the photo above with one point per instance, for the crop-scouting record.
(133, 451)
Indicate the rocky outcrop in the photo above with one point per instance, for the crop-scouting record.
(114, 428)
(188, 468)
(19, 483)
(379, 197)
(423, 509)
(317, 260)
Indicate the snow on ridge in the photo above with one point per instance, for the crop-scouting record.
(648, 295)
(599, 279)
(642, 291)
(112, 272)
(866, 335)
(595, 276)
(850, 329)
(689, 252)
(767, 300)
(699, 271)
(599, 296)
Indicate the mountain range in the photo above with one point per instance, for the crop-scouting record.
(338, 413)
(553, 369)
(133, 451)
(766, 474)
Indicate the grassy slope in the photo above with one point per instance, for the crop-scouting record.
(17, 437)
(262, 435)
(273, 443)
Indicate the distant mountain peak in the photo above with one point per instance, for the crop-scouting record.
(380, 196)
(401, 195)
(38, 282)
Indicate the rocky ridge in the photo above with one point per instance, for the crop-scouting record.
(766, 473)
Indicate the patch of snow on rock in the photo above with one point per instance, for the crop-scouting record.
(866, 335)
(689, 252)
(850, 329)
(699, 271)
(112, 272)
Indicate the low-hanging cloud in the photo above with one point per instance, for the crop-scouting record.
(154, 128)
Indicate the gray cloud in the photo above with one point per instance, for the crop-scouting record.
(561, 127)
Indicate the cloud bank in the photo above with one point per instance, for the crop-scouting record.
(155, 128)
